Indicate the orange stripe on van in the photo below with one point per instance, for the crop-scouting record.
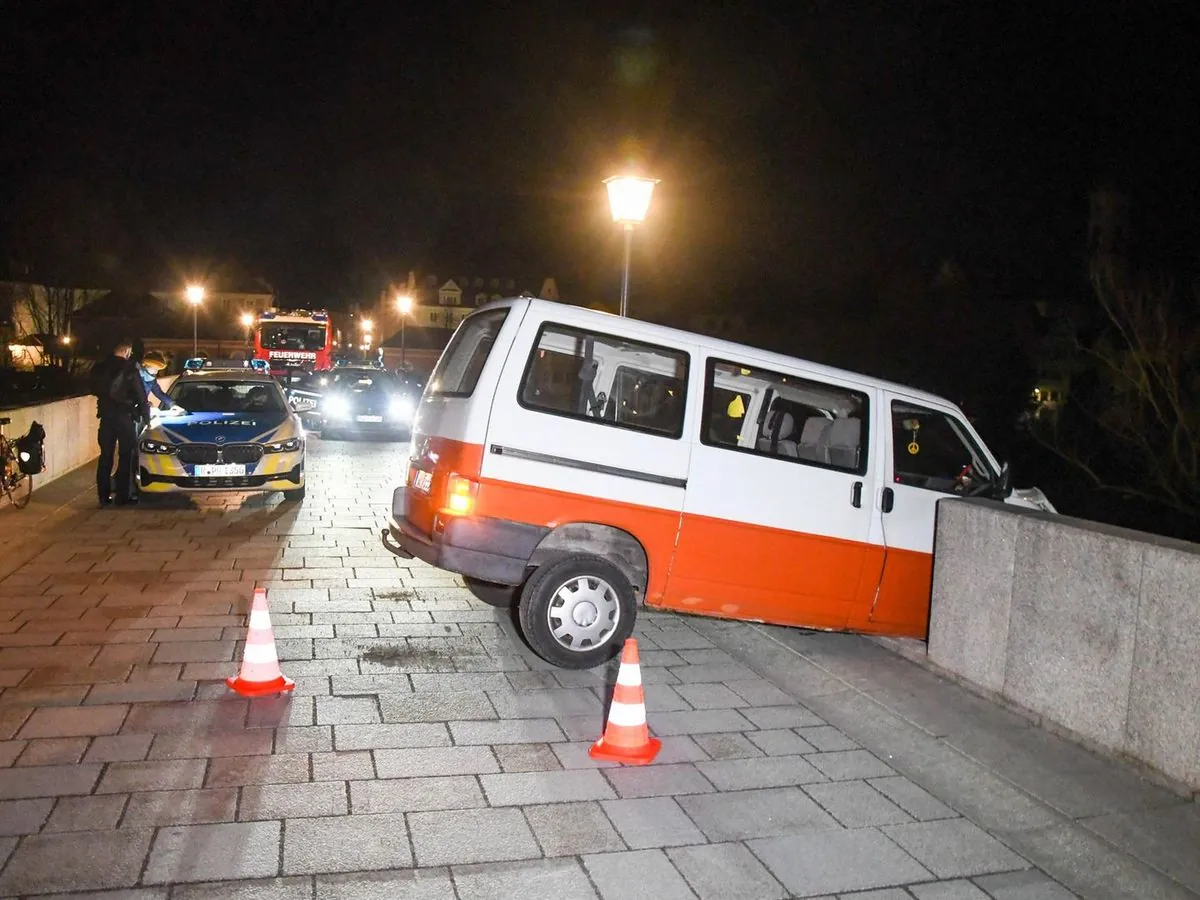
(654, 528)
(720, 568)
(902, 607)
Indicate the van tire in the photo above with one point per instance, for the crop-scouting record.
(502, 596)
(539, 595)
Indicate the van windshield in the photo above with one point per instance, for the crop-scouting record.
(458, 370)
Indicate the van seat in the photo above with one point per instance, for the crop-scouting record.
(814, 439)
(844, 437)
(782, 425)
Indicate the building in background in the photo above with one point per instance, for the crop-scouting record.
(439, 305)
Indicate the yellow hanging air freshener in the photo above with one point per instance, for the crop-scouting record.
(736, 408)
(913, 448)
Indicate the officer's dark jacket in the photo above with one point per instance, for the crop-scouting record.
(118, 389)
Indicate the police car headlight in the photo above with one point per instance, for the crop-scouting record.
(336, 407)
(152, 446)
(400, 408)
(283, 446)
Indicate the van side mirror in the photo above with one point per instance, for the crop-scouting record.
(1004, 482)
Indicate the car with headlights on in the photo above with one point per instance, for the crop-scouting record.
(361, 400)
(231, 429)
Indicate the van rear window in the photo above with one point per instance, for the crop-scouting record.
(458, 370)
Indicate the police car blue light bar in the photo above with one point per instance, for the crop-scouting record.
(199, 363)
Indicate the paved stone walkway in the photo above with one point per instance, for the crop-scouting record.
(428, 754)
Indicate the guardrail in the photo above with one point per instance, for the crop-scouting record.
(1093, 628)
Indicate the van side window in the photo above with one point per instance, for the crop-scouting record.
(758, 411)
(933, 450)
(610, 380)
(458, 370)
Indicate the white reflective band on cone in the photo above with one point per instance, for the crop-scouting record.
(259, 619)
(260, 653)
(625, 714)
(629, 675)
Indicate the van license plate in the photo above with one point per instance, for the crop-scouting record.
(422, 480)
(224, 470)
(370, 418)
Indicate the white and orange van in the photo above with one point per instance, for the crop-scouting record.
(578, 464)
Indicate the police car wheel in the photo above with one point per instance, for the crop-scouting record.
(577, 612)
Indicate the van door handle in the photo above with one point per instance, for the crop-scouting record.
(856, 495)
(889, 500)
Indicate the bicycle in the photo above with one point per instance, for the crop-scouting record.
(17, 485)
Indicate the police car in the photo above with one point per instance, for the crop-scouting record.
(231, 429)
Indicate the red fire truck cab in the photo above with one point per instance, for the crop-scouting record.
(296, 340)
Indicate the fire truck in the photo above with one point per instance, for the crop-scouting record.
(294, 341)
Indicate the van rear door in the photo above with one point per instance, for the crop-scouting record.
(451, 421)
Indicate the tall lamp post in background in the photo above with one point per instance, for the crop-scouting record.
(629, 198)
(247, 323)
(365, 346)
(404, 304)
(195, 296)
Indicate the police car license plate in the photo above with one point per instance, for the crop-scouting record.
(220, 470)
(421, 481)
(369, 418)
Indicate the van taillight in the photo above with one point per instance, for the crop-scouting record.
(460, 496)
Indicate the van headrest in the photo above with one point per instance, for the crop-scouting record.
(814, 431)
(845, 432)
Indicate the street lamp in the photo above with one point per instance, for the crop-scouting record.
(629, 198)
(404, 303)
(366, 325)
(195, 296)
(247, 323)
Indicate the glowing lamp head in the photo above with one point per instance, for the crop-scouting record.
(629, 198)
(194, 294)
(404, 303)
(247, 320)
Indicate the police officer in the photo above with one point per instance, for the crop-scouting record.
(153, 363)
(120, 399)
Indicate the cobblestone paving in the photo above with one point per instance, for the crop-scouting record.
(426, 753)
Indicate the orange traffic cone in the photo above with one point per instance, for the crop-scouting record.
(626, 738)
(260, 673)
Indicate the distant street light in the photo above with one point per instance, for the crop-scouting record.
(195, 296)
(404, 303)
(629, 198)
(247, 323)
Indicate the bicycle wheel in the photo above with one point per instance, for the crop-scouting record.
(17, 485)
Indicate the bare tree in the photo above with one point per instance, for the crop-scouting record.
(1132, 421)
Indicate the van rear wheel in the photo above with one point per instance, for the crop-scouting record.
(577, 612)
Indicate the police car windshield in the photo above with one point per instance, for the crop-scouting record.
(228, 397)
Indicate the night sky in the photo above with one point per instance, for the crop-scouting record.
(809, 152)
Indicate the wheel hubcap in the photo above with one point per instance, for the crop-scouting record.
(583, 613)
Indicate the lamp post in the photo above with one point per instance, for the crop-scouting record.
(404, 303)
(629, 198)
(195, 296)
(247, 323)
(367, 325)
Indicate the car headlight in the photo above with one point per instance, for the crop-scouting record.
(149, 445)
(336, 407)
(283, 446)
(400, 408)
